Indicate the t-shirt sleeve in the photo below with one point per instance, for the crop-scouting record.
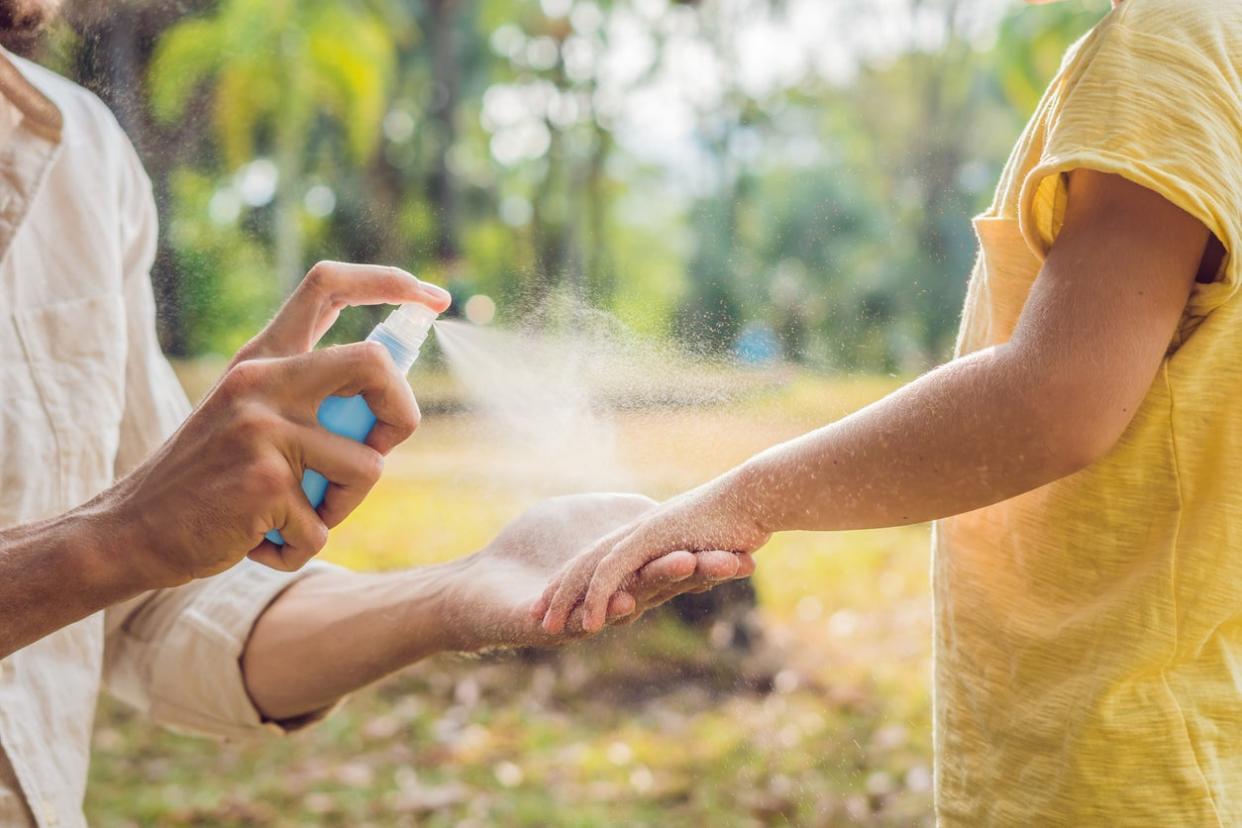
(1156, 99)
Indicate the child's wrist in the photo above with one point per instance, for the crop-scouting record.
(740, 494)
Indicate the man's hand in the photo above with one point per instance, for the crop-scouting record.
(329, 288)
(583, 593)
(229, 474)
(500, 583)
(233, 470)
(334, 632)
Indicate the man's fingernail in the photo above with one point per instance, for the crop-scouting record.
(438, 293)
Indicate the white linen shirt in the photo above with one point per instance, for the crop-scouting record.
(87, 396)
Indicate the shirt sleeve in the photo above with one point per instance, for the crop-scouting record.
(175, 654)
(1155, 99)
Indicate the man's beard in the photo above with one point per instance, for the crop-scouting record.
(27, 17)
(21, 22)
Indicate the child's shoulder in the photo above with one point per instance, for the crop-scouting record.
(1193, 22)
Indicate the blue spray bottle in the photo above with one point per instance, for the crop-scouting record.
(403, 334)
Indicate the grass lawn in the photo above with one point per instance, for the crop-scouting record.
(824, 721)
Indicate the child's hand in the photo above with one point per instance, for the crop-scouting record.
(489, 594)
(701, 520)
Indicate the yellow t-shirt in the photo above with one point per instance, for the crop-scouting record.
(1088, 642)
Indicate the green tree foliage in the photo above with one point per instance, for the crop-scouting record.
(619, 152)
(274, 67)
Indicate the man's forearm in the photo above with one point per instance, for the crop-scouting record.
(335, 632)
(975, 432)
(59, 571)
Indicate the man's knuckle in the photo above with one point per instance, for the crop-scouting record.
(321, 276)
(317, 537)
(270, 561)
(254, 424)
(370, 363)
(282, 562)
(270, 477)
(256, 522)
(243, 378)
(371, 465)
(406, 419)
(375, 354)
(251, 350)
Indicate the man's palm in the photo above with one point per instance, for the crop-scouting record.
(510, 573)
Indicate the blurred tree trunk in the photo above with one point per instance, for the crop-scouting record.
(290, 144)
(946, 114)
(547, 222)
(117, 39)
(715, 316)
(710, 317)
(446, 94)
(600, 283)
(561, 207)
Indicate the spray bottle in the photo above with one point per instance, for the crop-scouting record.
(403, 334)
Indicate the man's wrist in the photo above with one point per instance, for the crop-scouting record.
(129, 547)
(56, 572)
(100, 550)
(438, 614)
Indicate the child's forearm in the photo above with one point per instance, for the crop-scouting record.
(1094, 330)
(971, 433)
(1056, 397)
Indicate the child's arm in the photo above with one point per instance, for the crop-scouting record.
(976, 431)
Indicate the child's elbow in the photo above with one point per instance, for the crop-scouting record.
(1078, 409)
(1081, 436)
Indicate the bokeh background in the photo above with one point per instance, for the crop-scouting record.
(778, 189)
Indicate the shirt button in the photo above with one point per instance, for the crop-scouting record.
(49, 813)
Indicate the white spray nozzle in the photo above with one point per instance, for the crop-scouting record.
(404, 332)
(411, 321)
